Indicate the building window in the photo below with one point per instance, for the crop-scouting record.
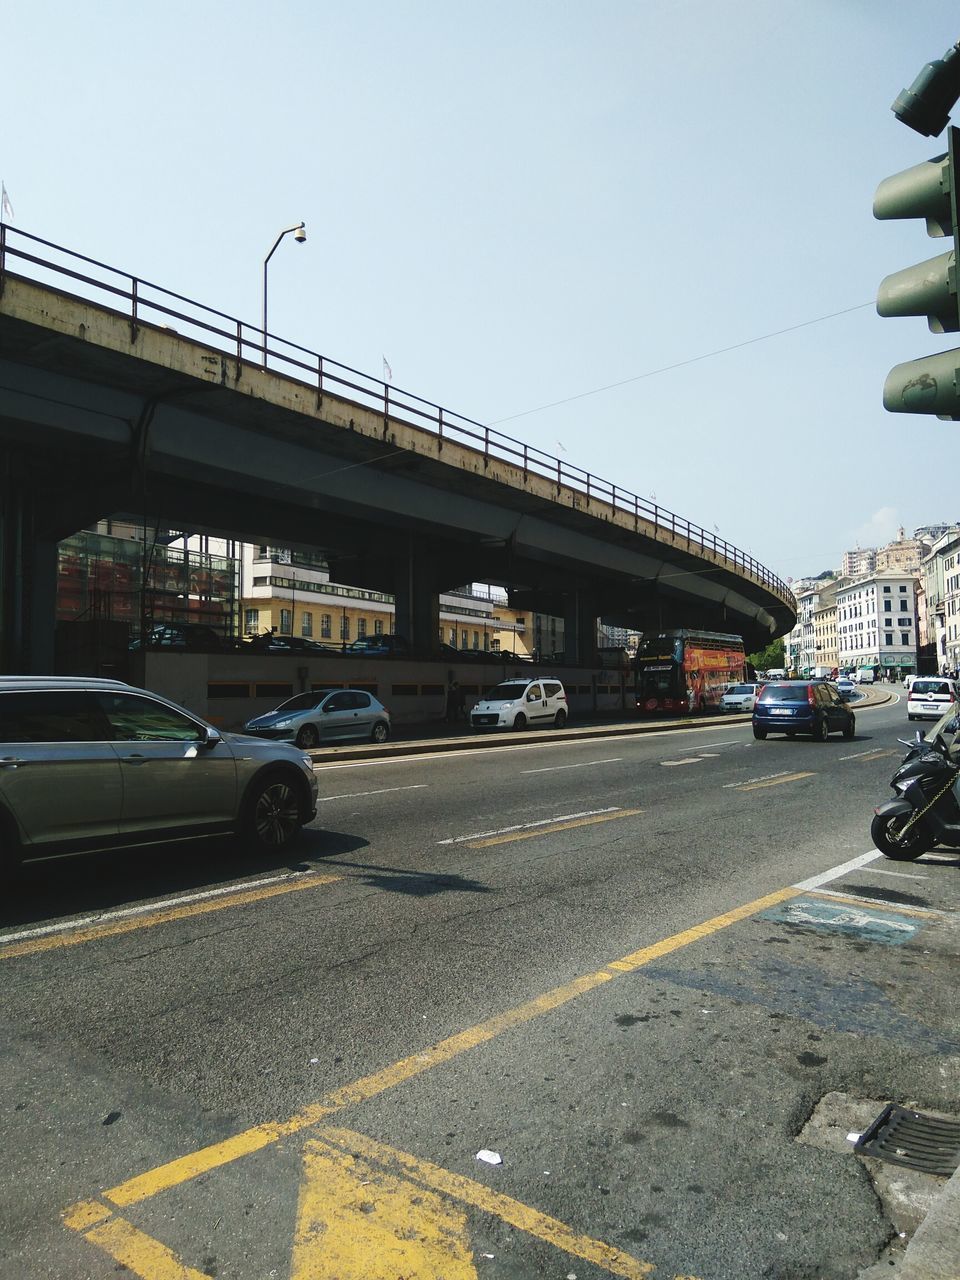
(904, 637)
(888, 606)
(495, 645)
(361, 628)
(306, 625)
(251, 620)
(378, 626)
(888, 638)
(326, 626)
(463, 640)
(286, 622)
(886, 591)
(453, 637)
(344, 627)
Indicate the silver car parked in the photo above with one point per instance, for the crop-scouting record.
(326, 715)
(92, 764)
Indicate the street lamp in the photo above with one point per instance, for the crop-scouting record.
(300, 235)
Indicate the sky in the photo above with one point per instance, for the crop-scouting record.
(636, 234)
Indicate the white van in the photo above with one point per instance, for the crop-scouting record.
(514, 704)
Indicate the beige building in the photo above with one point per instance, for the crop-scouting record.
(902, 556)
(825, 625)
(290, 593)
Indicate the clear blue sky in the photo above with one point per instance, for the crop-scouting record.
(519, 202)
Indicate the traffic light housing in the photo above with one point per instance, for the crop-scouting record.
(930, 384)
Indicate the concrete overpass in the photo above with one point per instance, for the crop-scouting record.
(116, 395)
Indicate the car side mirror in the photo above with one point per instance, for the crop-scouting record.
(211, 737)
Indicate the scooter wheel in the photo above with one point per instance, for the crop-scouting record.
(885, 830)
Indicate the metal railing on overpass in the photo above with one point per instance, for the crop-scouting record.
(146, 304)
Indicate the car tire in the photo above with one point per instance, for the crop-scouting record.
(759, 734)
(909, 717)
(308, 737)
(850, 731)
(270, 820)
(560, 719)
(791, 733)
(521, 721)
(821, 731)
(380, 731)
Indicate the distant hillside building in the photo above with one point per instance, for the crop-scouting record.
(858, 563)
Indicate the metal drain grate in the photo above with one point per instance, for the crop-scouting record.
(913, 1139)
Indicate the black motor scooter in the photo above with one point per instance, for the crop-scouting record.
(925, 812)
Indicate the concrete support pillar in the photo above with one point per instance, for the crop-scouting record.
(580, 627)
(28, 584)
(417, 597)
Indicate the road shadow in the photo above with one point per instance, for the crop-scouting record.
(97, 882)
(417, 884)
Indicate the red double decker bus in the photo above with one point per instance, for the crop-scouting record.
(680, 671)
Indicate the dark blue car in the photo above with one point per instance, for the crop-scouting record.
(802, 706)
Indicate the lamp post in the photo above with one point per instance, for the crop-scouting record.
(300, 235)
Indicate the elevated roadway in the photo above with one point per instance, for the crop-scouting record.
(119, 396)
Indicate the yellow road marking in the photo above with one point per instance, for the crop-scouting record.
(773, 782)
(140, 1253)
(478, 1196)
(114, 927)
(554, 826)
(175, 1172)
(357, 1222)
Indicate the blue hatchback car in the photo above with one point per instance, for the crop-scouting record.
(802, 706)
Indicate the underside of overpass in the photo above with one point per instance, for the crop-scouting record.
(99, 414)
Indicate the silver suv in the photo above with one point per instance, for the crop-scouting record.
(91, 764)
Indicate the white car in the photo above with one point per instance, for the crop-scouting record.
(740, 697)
(929, 697)
(515, 704)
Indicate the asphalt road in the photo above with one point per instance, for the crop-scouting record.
(590, 957)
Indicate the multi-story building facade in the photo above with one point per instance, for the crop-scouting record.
(903, 555)
(825, 625)
(800, 644)
(941, 601)
(290, 593)
(859, 563)
(877, 622)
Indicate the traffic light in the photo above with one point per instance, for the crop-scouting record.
(930, 384)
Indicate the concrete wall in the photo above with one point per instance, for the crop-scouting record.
(227, 689)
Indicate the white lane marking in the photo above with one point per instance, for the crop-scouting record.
(836, 872)
(857, 754)
(672, 764)
(765, 777)
(527, 826)
(382, 791)
(587, 764)
(730, 742)
(901, 875)
(148, 908)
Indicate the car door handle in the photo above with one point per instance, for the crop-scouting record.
(135, 759)
(11, 762)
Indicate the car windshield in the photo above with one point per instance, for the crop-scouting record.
(303, 701)
(740, 688)
(509, 691)
(946, 726)
(784, 693)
